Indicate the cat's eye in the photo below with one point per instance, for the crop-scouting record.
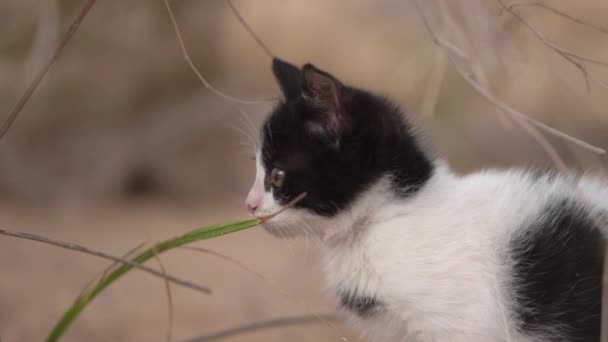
(277, 178)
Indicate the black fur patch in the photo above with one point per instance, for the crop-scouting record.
(558, 273)
(335, 141)
(363, 306)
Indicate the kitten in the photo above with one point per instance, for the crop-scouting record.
(413, 251)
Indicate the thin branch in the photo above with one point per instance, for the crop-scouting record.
(82, 249)
(227, 258)
(433, 88)
(262, 278)
(518, 116)
(200, 76)
(98, 278)
(570, 56)
(169, 299)
(263, 325)
(27, 94)
(252, 33)
(559, 13)
(515, 115)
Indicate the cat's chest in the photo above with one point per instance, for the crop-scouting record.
(393, 283)
(356, 280)
(353, 278)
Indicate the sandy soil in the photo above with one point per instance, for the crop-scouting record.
(38, 282)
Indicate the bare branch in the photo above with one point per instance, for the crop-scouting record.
(559, 13)
(82, 249)
(95, 281)
(200, 76)
(263, 325)
(169, 298)
(27, 94)
(433, 88)
(263, 279)
(252, 33)
(521, 119)
(570, 56)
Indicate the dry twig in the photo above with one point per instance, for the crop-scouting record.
(559, 13)
(527, 123)
(98, 278)
(200, 76)
(570, 56)
(85, 250)
(27, 94)
(252, 33)
(169, 299)
(260, 276)
(263, 325)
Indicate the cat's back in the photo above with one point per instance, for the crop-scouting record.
(501, 252)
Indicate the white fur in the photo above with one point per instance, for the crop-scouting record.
(436, 259)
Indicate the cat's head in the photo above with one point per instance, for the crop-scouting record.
(328, 141)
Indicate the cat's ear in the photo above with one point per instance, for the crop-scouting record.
(324, 92)
(289, 78)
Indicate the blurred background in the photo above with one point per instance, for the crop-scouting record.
(122, 144)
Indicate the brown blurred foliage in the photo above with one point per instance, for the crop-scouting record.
(120, 114)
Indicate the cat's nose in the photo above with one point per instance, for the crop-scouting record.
(252, 208)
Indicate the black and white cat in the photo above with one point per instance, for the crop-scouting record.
(413, 251)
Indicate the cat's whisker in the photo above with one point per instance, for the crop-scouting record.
(246, 127)
(243, 133)
(246, 145)
(289, 205)
(312, 232)
(249, 123)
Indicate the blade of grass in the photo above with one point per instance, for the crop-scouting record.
(194, 235)
(263, 325)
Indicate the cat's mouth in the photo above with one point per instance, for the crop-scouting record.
(264, 218)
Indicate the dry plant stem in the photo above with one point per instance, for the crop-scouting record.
(195, 235)
(559, 13)
(516, 115)
(263, 325)
(252, 33)
(433, 88)
(192, 236)
(263, 279)
(27, 94)
(169, 299)
(570, 56)
(200, 76)
(95, 281)
(126, 263)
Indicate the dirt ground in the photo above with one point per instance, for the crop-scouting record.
(39, 282)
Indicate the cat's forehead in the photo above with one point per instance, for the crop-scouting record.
(286, 116)
(283, 138)
(282, 125)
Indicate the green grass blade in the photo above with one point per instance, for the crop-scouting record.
(196, 235)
